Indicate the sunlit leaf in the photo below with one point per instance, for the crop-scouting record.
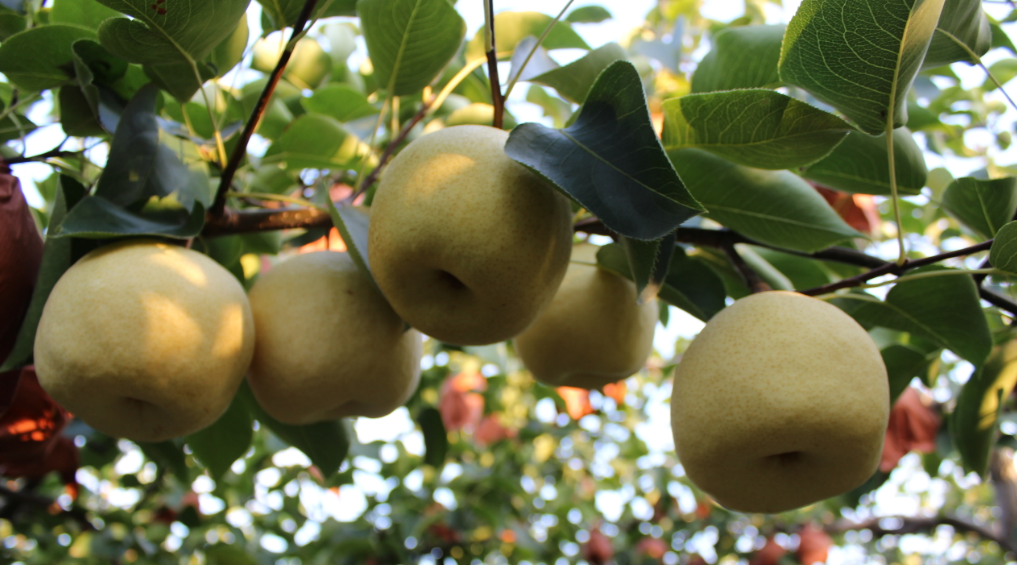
(512, 27)
(859, 57)
(756, 128)
(741, 57)
(574, 80)
(409, 41)
(966, 21)
(588, 15)
(1003, 254)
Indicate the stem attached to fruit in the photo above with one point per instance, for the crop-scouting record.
(240, 151)
(492, 65)
(750, 276)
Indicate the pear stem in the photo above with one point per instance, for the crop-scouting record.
(749, 275)
(492, 65)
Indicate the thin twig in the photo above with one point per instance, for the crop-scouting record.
(390, 149)
(250, 221)
(226, 180)
(749, 275)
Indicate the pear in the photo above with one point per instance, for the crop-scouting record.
(466, 244)
(782, 400)
(145, 340)
(328, 344)
(594, 332)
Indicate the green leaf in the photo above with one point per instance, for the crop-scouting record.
(85, 13)
(610, 160)
(283, 13)
(859, 57)
(965, 20)
(693, 286)
(324, 443)
(943, 309)
(435, 437)
(587, 15)
(140, 167)
(314, 141)
(76, 115)
(755, 128)
(574, 80)
(1003, 254)
(40, 58)
(903, 363)
(860, 164)
(648, 263)
(11, 24)
(974, 421)
(982, 205)
(409, 41)
(1004, 71)
(742, 57)
(98, 218)
(219, 445)
(160, 33)
(512, 27)
(352, 224)
(540, 62)
(179, 79)
(339, 102)
(58, 255)
(774, 207)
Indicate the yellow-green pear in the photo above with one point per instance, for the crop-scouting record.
(782, 400)
(145, 340)
(328, 344)
(593, 333)
(466, 244)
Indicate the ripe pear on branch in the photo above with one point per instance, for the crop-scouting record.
(782, 400)
(328, 344)
(594, 332)
(145, 340)
(466, 244)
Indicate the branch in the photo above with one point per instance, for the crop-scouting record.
(247, 221)
(910, 525)
(226, 180)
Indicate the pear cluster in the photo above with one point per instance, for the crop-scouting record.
(782, 400)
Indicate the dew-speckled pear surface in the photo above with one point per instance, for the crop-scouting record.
(593, 333)
(328, 344)
(145, 340)
(466, 244)
(781, 401)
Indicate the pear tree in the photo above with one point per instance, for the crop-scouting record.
(349, 329)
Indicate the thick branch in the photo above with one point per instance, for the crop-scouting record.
(226, 180)
(247, 221)
(911, 525)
